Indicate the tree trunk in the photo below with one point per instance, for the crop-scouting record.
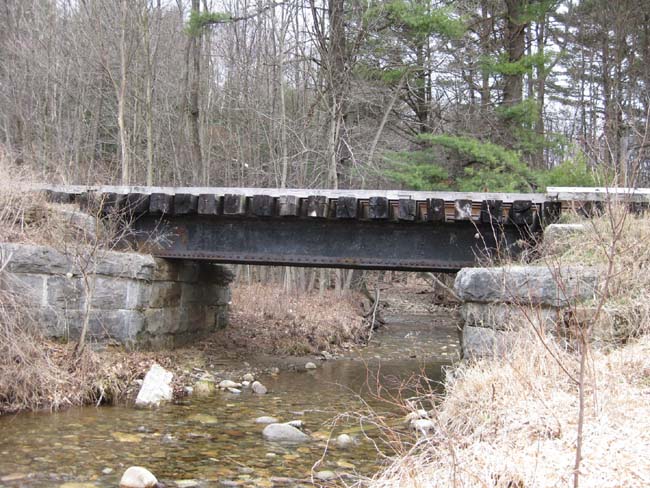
(148, 78)
(193, 105)
(515, 39)
(541, 93)
(121, 99)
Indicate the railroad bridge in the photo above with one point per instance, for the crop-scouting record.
(366, 229)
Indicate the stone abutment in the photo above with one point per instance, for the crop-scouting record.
(127, 298)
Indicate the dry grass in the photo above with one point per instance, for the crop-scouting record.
(36, 373)
(512, 421)
(26, 216)
(622, 238)
(266, 319)
(513, 424)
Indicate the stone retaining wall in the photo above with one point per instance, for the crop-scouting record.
(130, 298)
(498, 301)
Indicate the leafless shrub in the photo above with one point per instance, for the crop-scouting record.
(265, 319)
(553, 412)
(621, 238)
(37, 373)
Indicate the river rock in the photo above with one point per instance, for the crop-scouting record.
(205, 385)
(326, 355)
(234, 391)
(298, 424)
(259, 388)
(156, 387)
(225, 384)
(344, 441)
(284, 433)
(187, 483)
(265, 419)
(13, 477)
(310, 365)
(325, 475)
(203, 418)
(422, 426)
(138, 477)
(248, 377)
(246, 384)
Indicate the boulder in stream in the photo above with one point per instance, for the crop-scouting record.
(325, 475)
(156, 387)
(310, 365)
(422, 426)
(138, 477)
(298, 424)
(205, 385)
(225, 384)
(284, 433)
(259, 388)
(344, 441)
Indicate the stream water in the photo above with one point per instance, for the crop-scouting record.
(215, 441)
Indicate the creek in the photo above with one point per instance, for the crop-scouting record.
(215, 441)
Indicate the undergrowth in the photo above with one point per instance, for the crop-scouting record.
(37, 373)
(268, 320)
(513, 421)
(622, 238)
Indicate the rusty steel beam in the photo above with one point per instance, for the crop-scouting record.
(342, 243)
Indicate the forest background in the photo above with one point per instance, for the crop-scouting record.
(509, 95)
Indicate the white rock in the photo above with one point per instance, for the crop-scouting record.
(259, 388)
(156, 387)
(246, 384)
(326, 355)
(265, 419)
(325, 475)
(344, 440)
(422, 426)
(138, 477)
(187, 483)
(234, 391)
(225, 384)
(298, 424)
(284, 433)
(248, 377)
(310, 365)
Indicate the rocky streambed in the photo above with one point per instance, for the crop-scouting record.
(218, 440)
